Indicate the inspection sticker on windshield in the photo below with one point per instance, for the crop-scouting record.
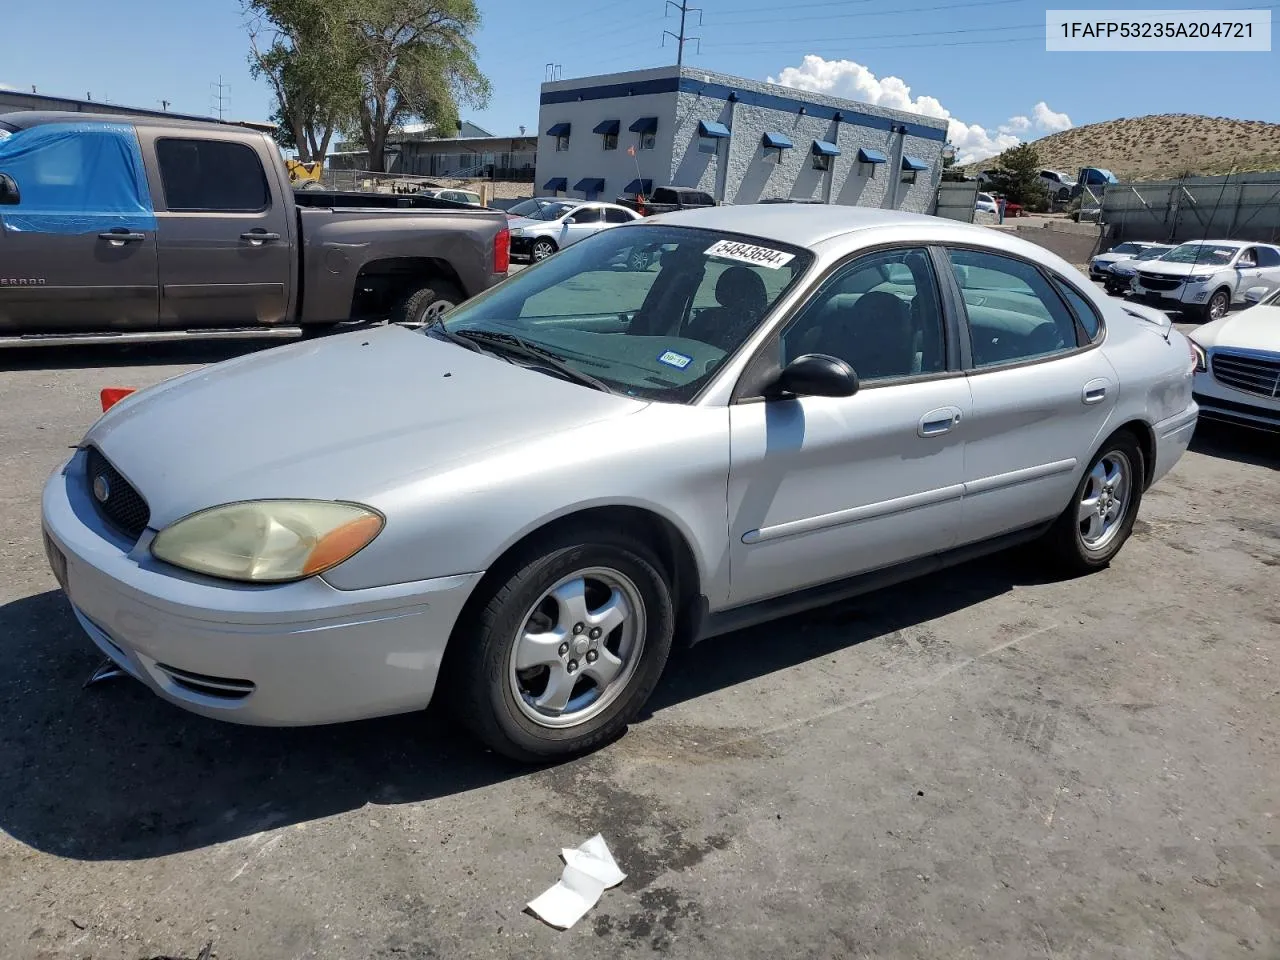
(749, 253)
(677, 360)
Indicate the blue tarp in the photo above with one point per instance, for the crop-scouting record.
(76, 178)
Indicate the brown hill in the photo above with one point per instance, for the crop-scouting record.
(1161, 147)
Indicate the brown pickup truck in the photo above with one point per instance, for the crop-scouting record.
(121, 228)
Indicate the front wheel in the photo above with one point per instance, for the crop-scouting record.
(566, 647)
(543, 249)
(1218, 305)
(1098, 521)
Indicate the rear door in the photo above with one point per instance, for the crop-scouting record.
(226, 242)
(1043, 394)
(78, 251)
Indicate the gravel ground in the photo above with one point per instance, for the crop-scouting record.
(985, 764)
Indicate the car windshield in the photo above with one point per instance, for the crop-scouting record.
(6, 131)
(658, 332)
(1200, 253)
(1129, 248)
(527, 208)
(1155, 253)
(552, 211)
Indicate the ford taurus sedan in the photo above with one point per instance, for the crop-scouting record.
(520, 506)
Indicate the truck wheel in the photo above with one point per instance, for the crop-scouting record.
(1218, 305)
(543, 249)
(563, 647)
(427, 304)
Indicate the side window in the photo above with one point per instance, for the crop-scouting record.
(212, 175)
(586, 215)
(1267, 257)
(881, 314)
(616, 216)
(1014, 313)
(1084, 310)
(1248, 258)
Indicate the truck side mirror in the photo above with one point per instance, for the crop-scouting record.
(10, 195)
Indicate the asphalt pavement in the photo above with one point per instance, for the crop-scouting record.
(989, 763)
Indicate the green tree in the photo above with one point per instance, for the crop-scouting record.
(1017, 176)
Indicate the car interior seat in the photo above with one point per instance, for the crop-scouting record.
(741, 300)
(875, 336)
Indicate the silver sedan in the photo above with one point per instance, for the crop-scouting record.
(522, 505)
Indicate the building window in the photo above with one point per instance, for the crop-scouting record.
(611, 141)
(867, 170)
(908, 176)
(773, 156)
(708, 145)
(821, 161)
(562, 143)
(648, 141)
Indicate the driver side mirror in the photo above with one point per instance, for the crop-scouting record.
(814, 375)
(10, 195)
(569, 221)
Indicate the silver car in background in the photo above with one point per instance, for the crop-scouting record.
(536, 495)
(555, 227)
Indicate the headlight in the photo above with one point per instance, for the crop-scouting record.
(268, 541)
(1199, 277)
(517, 232)
(1201, 363)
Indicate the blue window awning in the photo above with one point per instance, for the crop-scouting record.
(556, 183)
(559, 130)
(607, 127)
(590, 184)
(707, 128)
(825, 148)
(645, 125)
(913, 163)
(644, 186)
(871, 156)
(778, 141)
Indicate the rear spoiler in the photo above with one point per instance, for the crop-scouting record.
(1151, 315)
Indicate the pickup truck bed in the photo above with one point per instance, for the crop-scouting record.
(129, 228)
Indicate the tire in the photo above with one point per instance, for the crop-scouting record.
(1082, 545)
(496, 701)
(427, 303)
(1218, 305)
(638, 259)
(542, 249)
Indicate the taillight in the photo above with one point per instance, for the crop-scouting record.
(110, 396)
(502, 251)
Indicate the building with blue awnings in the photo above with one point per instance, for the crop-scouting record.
(742, 141)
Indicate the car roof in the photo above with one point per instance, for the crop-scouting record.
(1224, 243)
(802, 225)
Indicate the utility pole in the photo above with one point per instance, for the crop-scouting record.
(681, 38)
(220, 98)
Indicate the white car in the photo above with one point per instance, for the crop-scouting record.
(1100, 265)
(1059, 185)
(457, 196)
(985, 203)
(557, 226)
(1237, 375)
(1205, 277)
(1120, 274)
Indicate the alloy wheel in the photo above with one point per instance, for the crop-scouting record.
(1102, 508)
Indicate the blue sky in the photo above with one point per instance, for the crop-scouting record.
(982, 63)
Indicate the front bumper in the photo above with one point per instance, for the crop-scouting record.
(1188, 294)
(1220, 402)
(522, 246)
(290, 654)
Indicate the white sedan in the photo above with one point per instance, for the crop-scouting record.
(1238, 364)
(562, 224)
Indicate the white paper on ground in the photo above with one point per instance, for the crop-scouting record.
(589, 871)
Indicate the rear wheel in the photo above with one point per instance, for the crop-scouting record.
(427, 304)
(1100, 517)
(565, 648)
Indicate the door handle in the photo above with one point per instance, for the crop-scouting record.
(119, 237)
(1095, 391)
(259, 237)
(937, 422)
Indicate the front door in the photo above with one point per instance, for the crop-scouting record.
(78, 250)
(823, 488)
(226, 243)
(586, 221)
(1043, 396)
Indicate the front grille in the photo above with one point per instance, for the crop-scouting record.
(224, 688)
(1250, 374)
(122, 506)
(1153, 281)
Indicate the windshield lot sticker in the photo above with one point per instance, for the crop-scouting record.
(677, 360)
(749, 253)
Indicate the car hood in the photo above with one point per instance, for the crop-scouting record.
(348, 417)
(1257, 328)
(1166, 268)
(528, 223)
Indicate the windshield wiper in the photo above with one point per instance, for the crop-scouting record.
(436, 327)
(518, 346)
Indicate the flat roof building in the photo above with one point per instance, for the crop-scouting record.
(742, 141)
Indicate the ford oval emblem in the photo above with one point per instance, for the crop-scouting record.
(101, 488)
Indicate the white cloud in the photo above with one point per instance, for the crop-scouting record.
(845, 78)
(1048, 120)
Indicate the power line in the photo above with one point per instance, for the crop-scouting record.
(218, 99)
